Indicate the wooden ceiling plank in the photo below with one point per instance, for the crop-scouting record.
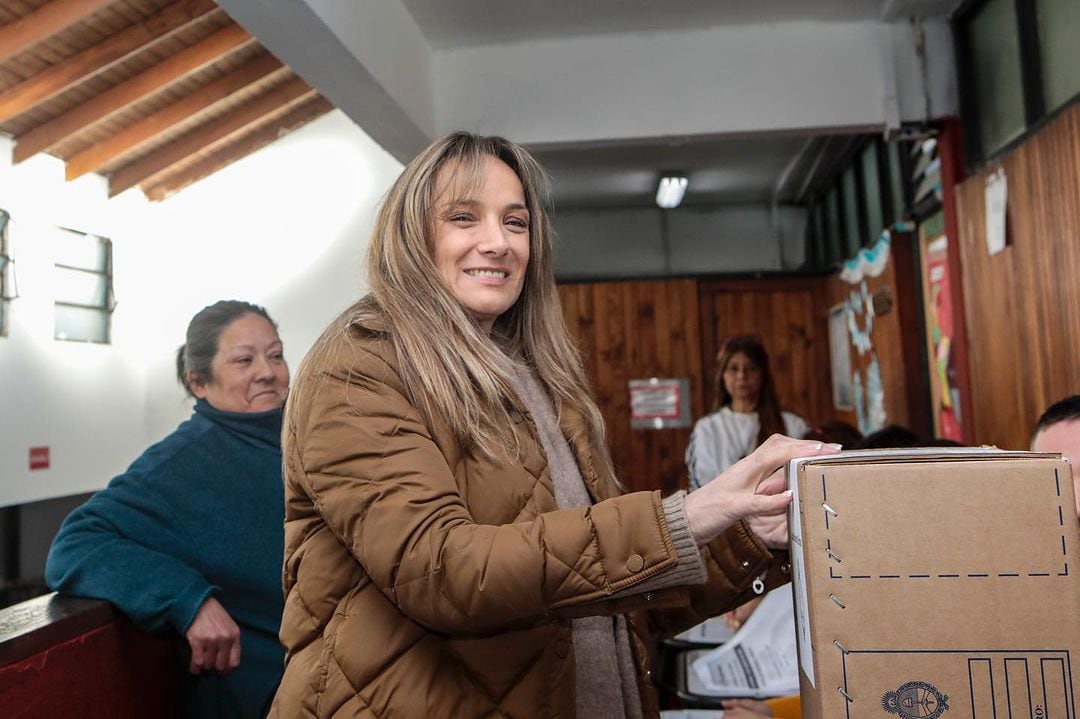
(145, 130)
(96, 59)
(275, 102)
(242, 147)
(116, 98)
(43, 23)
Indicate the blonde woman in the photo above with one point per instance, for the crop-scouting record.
(456, 542)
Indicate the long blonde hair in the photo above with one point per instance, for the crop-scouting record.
(452, 369)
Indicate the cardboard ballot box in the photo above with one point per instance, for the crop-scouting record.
(936, 583)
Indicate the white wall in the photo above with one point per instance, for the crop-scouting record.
(390, 45)
(371, 59)
(733, 79)
(285, 227)
(368, 58)
(84, 401)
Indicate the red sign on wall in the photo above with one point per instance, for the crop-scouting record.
(39, 458)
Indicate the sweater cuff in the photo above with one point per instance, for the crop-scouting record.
(691, 566)
(188, 603)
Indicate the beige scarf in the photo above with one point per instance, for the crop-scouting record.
(604, 667)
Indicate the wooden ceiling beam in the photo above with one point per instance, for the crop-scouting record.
(145, 130)
(43, 23)
(219, 131)
(265, 134)
(79, 67)
(116, 98)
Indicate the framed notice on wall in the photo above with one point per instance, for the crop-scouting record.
(840, 358)
(659, 403)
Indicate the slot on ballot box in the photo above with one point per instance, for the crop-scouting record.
(935, 584)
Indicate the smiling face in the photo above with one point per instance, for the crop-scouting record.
(248, 373)
(481, 240)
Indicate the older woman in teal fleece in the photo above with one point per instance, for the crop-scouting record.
(190, 537)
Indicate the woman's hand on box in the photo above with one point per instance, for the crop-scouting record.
(753, 487)
(772, 529)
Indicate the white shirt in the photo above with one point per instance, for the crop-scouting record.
(722, 438)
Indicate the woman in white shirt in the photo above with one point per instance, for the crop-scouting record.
(746, 412)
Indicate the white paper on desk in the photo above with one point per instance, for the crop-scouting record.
(760, 660)
(692, 714)
(711, 631)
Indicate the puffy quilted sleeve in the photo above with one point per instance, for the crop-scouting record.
(376, 476)
(733, 561)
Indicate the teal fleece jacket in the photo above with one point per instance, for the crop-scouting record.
(200, 513)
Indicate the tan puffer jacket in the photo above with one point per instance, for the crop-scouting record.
(424, 583)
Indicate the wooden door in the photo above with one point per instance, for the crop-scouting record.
(789, 316)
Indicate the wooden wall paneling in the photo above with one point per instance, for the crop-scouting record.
(789, 316)
(675, 342)
(821, 361)
(993, 382)
(685, 337)
(648, 452)
(609, 367)
(1022, 305)
(634, 330)
(577, 310)
(907, 291)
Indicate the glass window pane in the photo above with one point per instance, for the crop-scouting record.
(836, 232)
(1059, 32)
(5, 290)
(78, 323)
(82, 288)
(821, 233)
(896, 183)
(852, 231)
(78, 250)
(995, 71)
(875, 216)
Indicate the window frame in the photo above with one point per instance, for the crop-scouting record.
(829, 243)
(1036, 114)
(6, 270)
(109, 304)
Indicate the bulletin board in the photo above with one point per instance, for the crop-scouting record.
(939, 316)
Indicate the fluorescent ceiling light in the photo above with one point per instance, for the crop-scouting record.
(670, 192)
